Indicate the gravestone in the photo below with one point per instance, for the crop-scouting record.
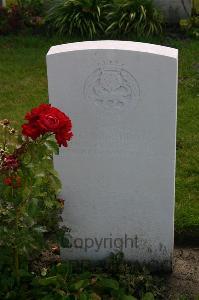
(174, 10)
(2, 2)
(118, 172)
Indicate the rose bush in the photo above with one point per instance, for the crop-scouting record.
(29, 204)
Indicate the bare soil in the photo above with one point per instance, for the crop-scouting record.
(183, 283)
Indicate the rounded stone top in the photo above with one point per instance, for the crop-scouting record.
(115, 45)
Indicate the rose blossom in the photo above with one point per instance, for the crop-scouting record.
(45, 119)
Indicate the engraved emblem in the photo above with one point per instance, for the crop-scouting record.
(111, 85)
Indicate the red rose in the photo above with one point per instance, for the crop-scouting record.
(10, 162)
(35, 112)
(46, 119)
(49, 122)
(52, 120)
(63, 136)
(7, 181)
(14, 181)
(31, 131)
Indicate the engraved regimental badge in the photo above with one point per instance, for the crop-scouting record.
(112, 86)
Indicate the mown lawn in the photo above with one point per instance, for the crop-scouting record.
(23, 84)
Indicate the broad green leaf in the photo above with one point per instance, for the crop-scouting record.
(40, 229)
(76, 286)
(128, 297)
(95, 296)
(46, 281)
(84, 296)
(52, 146)
(109, 283)
(33, 206)
(56, 184)
(148, 296)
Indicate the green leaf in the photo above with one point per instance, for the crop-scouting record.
(33, 206)
(55, 182)
(40, 229)
(79, 285)
(83, 296)
(109, 283)
(128, 297)
(148, 296)
(46, 281)
(64, 268)
(52, 146)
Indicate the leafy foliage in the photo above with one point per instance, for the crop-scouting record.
(32, 7)
(4, 26)
(29, 208)
(190, 26)
(85, 18)
(134, 279)
(22, 15)
(73, 280)
(11, 19)
(78, 17)
(33, 12)
(90, 18)
(138, 17)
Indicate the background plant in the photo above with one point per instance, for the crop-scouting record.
(115, 279)
(138, 17)
(33, 12)
(11, 19)
(22, 15)
(33, 7)
(4, 25)
(85, 18)
(91, 283)
(190, 26)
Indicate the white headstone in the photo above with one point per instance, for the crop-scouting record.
(118, 173)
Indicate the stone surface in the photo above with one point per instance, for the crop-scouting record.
(118, 173)
(2, 2)
(175, 10)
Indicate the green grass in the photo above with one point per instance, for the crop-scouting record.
(23, 85)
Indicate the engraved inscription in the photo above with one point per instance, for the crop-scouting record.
(111, 85)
